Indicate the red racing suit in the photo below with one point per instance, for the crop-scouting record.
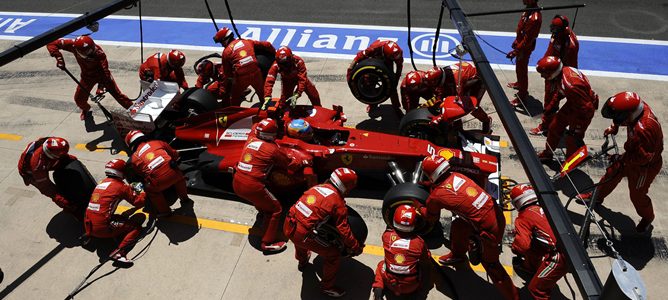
(411, 94)
(537, 244)
(240, 70)
(399, 272)
(565, 46)
(153, 161)
(375, 50)
(463, 81)
(94, 70)
(477, 216)
(525, 42)
(210, 83)
(319, 204)
(293, 77)
(576, 113)
(640, 163)
(34, 167)
(100, 220)
(156, 67)
(250, 180)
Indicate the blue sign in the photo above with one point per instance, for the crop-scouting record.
(643, 59)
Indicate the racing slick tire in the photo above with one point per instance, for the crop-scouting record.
(417, 124)
(75, 183)
(264, 60)
(371, 81)
(405, 193)
(357, 227)
(198, 101)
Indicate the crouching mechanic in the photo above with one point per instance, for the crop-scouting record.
(101, 222)
(399, 272)
(155, 162)
(535, 243)
(412, 88)
(641, 161)
(250, 179)
(321, 204)
(37, 160)
(165, 67)
(477, 218)
(294, 80)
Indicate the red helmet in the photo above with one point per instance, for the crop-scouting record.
(433, 76)
(522, 195)
(115, 168)
(55, 147)
(223, 36)
(414, 80)
(284, 55)
(344, 179)
(549, 67)
(435, 166)
(392, 51)
(132, 137)
(84, 45)
(624, 106)
(405, 217)
(204, 68)
(176, 59)
(559, 23)
(266, 130)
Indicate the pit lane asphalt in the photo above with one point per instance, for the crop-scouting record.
(606, 18)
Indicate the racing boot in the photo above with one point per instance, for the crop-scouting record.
(302, 264)
(513, 85)
(119, 257)
(585, 198)
(644, 226)
(273, 247)
(334, 292)
(517, 102)
(449, 259)
(539, 130)
(84, 114)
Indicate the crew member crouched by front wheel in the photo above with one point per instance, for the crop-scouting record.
(155, 162)
(250, 179)
(399, 272)
(100, 220)
(321, 204)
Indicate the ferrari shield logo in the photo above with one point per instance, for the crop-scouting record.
(400, 259)
(347, 158)
(393, 237)
(446, 153)
(222, 121)
(247, 157)
(310, 200)
(471, 191)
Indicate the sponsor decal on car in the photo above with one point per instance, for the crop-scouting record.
(347, 158)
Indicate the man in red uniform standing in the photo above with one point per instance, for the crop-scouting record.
(250, 179)
(100, 220)
(414, 87)
(460, 80)
(293, 75)
(477, 217)
(94, 70)
(535, 244)
(525, 42)
(564, 45)
(155, 162)
(321, 204)
(165, 67)
(399, 272)
(641, 161)
(40, 157)
(392, 55)
(576, 113)
(240, 66)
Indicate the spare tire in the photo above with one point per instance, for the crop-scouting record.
(75, 183)
(358, 228)
(264, 60)
(371, 81)
(198, 100)
(405, 193)
(416, 124)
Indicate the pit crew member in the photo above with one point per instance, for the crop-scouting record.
(165, 67)
(94, 70)
(320, 204)
(525, 42)
(294, 81)
(412, 88)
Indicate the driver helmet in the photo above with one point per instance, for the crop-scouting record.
(300, 129)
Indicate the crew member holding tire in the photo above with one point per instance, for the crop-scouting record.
(412, 88)
(399, 272)
(527, 31)
(156, 163)
(240, 66)
(391, 54)
(460, 80)
(100, 220)
(294, 80)
(321, 204)
(37, 160)
(535, 244)
(478, 219)
(165, 67)
(207, 76)
(94, 70)
(576, 113)
(641, 161)
(258, 157)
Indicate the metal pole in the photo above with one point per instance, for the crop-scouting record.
(39, 41)
(583, 270)
(510, 11)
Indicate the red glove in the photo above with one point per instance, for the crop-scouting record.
(512, 54)
(612, 129)
(63, 203)
(60, 62)
(100, 89)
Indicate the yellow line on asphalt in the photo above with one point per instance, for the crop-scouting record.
(10, 137)
(245, 229)
(82, 147)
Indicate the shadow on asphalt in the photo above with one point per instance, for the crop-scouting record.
(183, 229)
(65, 229)
(381, 119)
(355, 277)
(34, 268)
(109, 133)
(532, 107)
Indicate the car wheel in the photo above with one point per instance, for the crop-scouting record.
(357, 227)
(405, 193)
(371, 81)
(264, 60)
(75, 183)
(416, 124)
(197, 101)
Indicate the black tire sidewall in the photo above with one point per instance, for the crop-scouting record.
(377, 67)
